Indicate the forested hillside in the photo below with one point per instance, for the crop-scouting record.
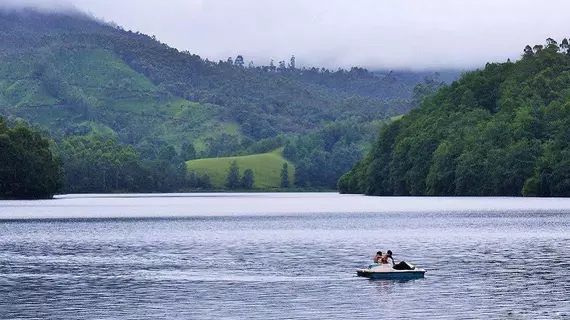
(90, 84)
(57, 67)
(502, 130)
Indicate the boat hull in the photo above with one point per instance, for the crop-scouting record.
(394, 275)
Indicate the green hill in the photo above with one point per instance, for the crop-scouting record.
(61, 69)
(502, 130)
(74, 76)
(266, 169)
(61, 88)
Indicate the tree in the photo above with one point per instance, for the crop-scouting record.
(28, 168)
(247, 179)
(292, 63)
(550, 41)
(230, 61)
(167, 153)
(302, 178)
(528, 51)
(564, 45)
(285, 176)
(233, 177)
(239, 61)
(272, 65)
(188, 151)
(198, 181)
(222, 146)
(425, 89)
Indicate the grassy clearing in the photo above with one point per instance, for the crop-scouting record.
(266, 168)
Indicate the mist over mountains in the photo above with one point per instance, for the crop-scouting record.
(93, 86)
(61, 6)
(376, 34)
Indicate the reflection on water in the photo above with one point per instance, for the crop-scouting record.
(489, 265)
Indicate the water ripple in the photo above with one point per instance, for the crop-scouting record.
(480, 266)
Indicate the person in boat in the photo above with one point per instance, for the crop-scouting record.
(378, 257)
(386, 257)
(402, 265)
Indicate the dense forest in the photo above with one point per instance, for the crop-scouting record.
(28, 167)
(502, 130)
(98, 164)
(79, 69)
(112, 98)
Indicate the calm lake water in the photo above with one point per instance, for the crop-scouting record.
(282, 256)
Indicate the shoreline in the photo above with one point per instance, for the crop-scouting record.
(193, 205)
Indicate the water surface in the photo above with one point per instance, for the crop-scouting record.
(275, 256)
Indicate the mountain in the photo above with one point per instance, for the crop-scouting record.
(500, 131)
(75, 76)
(68, 66)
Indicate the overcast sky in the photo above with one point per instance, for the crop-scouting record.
(370, 33)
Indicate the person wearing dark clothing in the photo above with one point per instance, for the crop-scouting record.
(402, 265)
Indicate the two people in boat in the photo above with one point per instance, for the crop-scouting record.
(380, 258)
(383, 259)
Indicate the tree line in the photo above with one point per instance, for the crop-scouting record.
(503, 130)
(246, 182)
(32, 167)
(28, 167)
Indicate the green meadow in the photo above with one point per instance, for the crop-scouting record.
(266, 168)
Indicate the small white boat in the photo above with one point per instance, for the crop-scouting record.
(386, 271)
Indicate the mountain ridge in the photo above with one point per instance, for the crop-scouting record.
(76, 76)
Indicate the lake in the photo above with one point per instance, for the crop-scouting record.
(282, 256)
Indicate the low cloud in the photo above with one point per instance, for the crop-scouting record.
(42, 5)
(371, 33)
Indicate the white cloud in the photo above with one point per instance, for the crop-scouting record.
(371, 33)
(45, 5)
